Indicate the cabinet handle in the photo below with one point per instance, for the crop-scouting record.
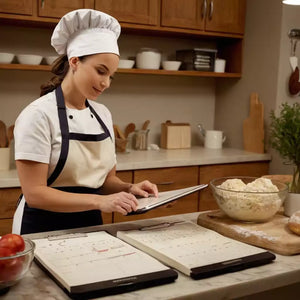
(165, 183)
(43, 3)
(204, 8)
(211, 9)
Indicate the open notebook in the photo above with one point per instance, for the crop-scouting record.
(194, 250)
(146, 204)
(97, 264)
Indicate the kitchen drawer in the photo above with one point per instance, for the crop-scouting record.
(167, 179)
(209, 172)
(8, 201)
(5, 226)
(126, 176)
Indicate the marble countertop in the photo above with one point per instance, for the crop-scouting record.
(134, 160)
(284, 271)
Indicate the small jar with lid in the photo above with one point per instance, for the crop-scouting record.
(148, 58)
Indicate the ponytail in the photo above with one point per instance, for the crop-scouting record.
(60, 68)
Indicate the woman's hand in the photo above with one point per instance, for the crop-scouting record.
(119, 202)
(143, 189)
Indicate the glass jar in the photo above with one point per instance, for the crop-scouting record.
(148, 58)
(140, 141)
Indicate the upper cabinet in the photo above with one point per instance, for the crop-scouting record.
(21, 7)
(224, 16)
(187, 14)
(58, 8)
(219, 21)
(145, 12)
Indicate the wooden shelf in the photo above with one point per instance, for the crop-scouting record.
(128, 71)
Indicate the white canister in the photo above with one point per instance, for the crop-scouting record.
(291, 204)
(220, 65)
(148, 58)
(4, 158)
(214, 139)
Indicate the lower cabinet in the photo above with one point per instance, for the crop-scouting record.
(167, 179)
(209, 172)
(8, 204)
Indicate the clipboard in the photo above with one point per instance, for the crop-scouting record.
(151, 202)
(195, 251)
(89, 265)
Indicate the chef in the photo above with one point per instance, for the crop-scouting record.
(64, 140)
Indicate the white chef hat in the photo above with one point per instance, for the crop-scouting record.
(84, 32)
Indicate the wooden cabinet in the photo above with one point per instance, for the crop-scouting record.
(167, 179)
(220, 21)
(183, 14)
(58, 8)
(8, 204)
(227, 16)
(144, 12)
(209, 172)
(19, 7)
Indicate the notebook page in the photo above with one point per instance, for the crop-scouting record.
(189, 244)
(94, 258)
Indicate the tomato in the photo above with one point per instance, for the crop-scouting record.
(10, 268)
(13, 242)
(5, 252)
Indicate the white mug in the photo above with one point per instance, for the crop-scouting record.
(220, 65)
(214, 139)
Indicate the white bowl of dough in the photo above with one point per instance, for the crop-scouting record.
(249, 199)
(171, 65)
(29, 59)
(126, 64)
(6, 58)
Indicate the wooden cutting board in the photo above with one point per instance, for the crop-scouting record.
(273, 235)
(253, 126)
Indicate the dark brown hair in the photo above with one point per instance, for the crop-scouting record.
(60, 68)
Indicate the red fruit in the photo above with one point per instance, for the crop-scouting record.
(12, 241)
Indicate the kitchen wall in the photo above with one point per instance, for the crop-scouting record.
(131, 98)
(266, 70)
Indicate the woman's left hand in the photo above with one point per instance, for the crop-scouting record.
(144, 188)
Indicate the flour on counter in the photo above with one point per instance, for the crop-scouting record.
(257, 233)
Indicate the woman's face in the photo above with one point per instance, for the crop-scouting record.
(93, 74)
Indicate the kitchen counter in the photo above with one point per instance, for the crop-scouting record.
(282, 274)
(134, 160)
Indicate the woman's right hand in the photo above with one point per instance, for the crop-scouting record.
(121, 202)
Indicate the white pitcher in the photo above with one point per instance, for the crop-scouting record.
(213, 139)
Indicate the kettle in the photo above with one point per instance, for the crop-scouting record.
(213, 139)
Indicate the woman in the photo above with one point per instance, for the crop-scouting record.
(64, 143)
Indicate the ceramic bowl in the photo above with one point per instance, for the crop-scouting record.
(171, 65)
(249, 199)
(13, 268)
(50, 59)
(6, 58)
(126, 64)
(29, 59)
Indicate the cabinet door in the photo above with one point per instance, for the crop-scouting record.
(8, 204)
(131, 11)
(58, 8)
(188, 14)
(19, 7)
(207, 173)
(167, 179)
(226, 16)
